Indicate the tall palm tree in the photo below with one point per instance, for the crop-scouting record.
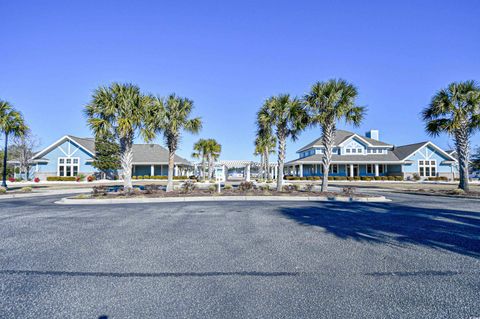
(200, 151)
(327, 103)
(287, 117)
(120, 109)
(11, 123)
(455, 110)
(174, 118)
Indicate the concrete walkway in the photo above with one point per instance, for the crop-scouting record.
(46, 192)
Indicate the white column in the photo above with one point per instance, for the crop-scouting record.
(152, 170)
(351, 170)
(376, 169)
(300, 170)
(247, 173)
(175, 170)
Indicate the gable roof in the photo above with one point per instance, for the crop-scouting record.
(81, 142)
(405, 151)
(142, 153)
(340, 137)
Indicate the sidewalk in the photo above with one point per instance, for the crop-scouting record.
(45, 192)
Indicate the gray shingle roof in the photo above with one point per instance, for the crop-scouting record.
(405, 150)
(153, 153)
(142, 153)
(341, 136)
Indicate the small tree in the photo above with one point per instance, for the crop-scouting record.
(455, 110)
(476, 159)
(107, 153)
(23, 150)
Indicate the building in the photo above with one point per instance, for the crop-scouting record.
(71, 156)
(356, 155)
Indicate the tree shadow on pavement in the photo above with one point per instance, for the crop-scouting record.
(389, 223)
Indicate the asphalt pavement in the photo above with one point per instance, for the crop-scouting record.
(414, 257)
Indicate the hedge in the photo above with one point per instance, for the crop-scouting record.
(160, 177)
(61, 178)
(438, 179)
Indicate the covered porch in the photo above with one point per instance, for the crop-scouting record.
(344, 169)
(155, 169)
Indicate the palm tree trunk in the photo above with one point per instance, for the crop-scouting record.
(267, 163)
(204, 168)
(463, 150)
(126, 159)
(171, 163)
(210, 167)
(328, 136)
(282, 141)
(4, 178)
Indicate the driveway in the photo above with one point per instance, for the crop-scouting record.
(415, 257)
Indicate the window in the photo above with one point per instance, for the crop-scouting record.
(354, 150)
(359, 151)
(427, 168)
(369, 168)
(381, 169)
(334, 169)
(68, 166)
(347, 150)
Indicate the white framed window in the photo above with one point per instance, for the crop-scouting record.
(354, 150)
(68, 166)
(347, 150)
(359, 151)
(370, 168)
(381, 169)
(427, 168)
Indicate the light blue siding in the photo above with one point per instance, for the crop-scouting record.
(427, 153)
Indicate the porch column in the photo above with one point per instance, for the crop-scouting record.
(300, 170)
(376, 169)
(175, 170)
(247, 172)
(152, 170)
(351, 170)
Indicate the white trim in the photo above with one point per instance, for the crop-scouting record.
(58, 142)
(434, 146)
(65, 165)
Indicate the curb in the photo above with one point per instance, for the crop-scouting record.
(72, 201)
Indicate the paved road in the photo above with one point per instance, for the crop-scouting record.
(416, 257)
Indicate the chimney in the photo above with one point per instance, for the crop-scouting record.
(373, 134)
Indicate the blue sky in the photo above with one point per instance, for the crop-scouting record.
(229, 56)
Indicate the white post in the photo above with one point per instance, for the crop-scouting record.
(152, 170)
(300, 170)
(175, 170)
(351, 170)
(376, 169)
(247, 173)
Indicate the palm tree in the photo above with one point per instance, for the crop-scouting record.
(213, 153)
(327, 103)
(287, 117)
(200, 151)
(455, 110)
(174, 113)
(121, 110)
(11, 123)
(264, 146)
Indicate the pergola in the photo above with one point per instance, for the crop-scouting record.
(246, 165)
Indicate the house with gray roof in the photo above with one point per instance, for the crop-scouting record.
(365, 155)
(72, 156)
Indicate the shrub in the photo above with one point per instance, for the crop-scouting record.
(290, 188)
(99, 190)
(80, 177)
(227, 187)
(349, 191)
(416, 177)
(438, 179)
(188, 187)
(457, 191)
(391, 178)
(3, 190)
(245, 186)
(264, 188)
(150, 189)
(212, 189)
(269, 181)
(399, 178)
(61, 178)
(146, 176)
(331, 178)
(134, 177)
(26, 189)
(309, 187)
(11, 179)
(36, 180)
(366, 178)
(356, 178)
(90, 178)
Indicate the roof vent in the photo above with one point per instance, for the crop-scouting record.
(373, 134)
